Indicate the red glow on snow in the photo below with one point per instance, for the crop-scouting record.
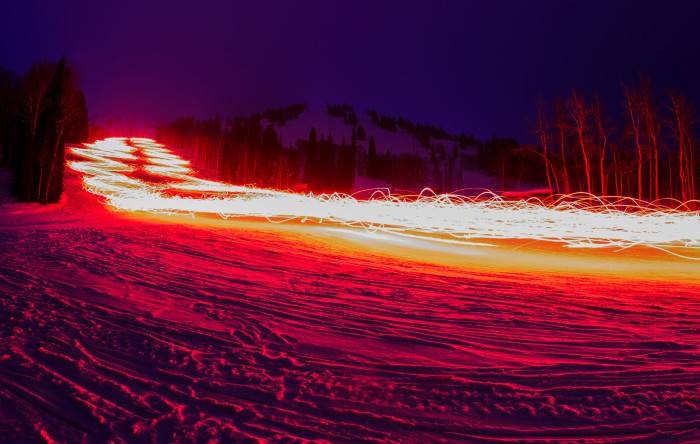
(386, 319)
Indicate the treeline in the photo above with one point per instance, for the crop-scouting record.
(422, 132)
(503, 158)
(248, 150)
(441, 171)
(441, 167)
(513, 164)
(328, 167)
(648, 152)
(251, 154)
(280, 116)
(40, 112)
(344, 111)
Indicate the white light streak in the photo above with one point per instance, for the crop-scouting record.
(109, 170)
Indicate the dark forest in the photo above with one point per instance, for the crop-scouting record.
(40, 112)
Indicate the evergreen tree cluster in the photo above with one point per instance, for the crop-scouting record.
(422, 132)
(198, 140)
(344, 111)
(328, 167)
(248, 150)
(280, 116)
(251, 153)
(40, 112)
(240, 151)
(512, 163)
(349, 116)
(403, 171)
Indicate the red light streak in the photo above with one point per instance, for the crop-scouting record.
(577, 221)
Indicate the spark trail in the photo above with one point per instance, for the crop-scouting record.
(138, 174)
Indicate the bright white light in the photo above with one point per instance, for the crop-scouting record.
(108, 168)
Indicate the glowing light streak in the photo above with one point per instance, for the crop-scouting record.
(580, 221)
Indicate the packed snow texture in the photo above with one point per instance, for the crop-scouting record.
(114, 328)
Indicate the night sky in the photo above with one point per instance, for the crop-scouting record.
(473, 66)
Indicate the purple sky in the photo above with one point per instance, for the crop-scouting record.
(473, 66)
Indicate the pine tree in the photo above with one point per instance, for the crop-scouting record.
(310, 161)
(53, 112)
(361, 134)
(372, 159)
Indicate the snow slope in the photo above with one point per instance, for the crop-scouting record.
(316, 116)
(121, 328)
(399, 142)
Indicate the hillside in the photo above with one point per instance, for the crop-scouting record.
(328, 148)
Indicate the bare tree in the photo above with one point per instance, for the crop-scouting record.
(652, 128)
(597, 112)
(579, 114)
(51, 111)
(32, 89)
(544, 142)
(682, 121)
(70, 124)
(562, 128)
(631, 104)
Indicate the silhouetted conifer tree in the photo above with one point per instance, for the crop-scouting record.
(51, 111)
(372, 160)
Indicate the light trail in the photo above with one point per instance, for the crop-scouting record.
(114, 170)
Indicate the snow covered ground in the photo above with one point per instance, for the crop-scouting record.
(117, 327)
(316, 116)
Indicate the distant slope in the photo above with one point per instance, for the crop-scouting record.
(395, 142)
(335, 147)
(316, 116)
